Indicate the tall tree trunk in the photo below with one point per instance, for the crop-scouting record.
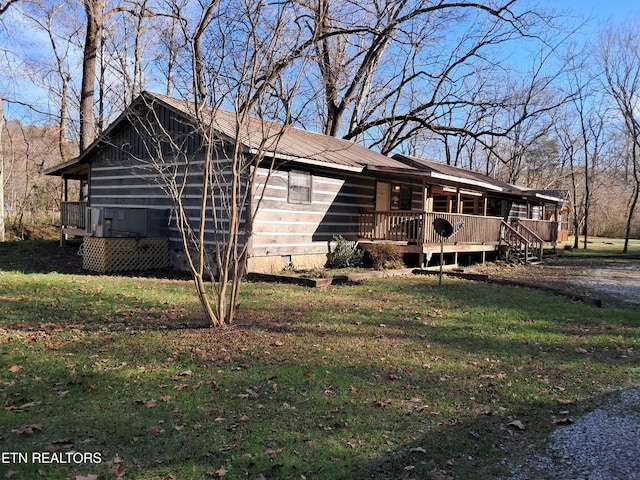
(94, 10)
(1, 176)
(636, 192)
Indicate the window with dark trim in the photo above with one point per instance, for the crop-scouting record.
(300, 187)
(401, 197)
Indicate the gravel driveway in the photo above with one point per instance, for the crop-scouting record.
(605, 443)
(615, 283)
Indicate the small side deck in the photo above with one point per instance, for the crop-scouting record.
(73, 220)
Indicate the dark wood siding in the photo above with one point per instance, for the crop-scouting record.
(283, 228)
(127, 174)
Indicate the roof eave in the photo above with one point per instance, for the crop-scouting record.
(308, 161)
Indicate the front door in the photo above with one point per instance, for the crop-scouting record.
(383, 196)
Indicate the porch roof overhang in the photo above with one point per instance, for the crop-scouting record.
(549, 198)
(74, 169)
(438, 177)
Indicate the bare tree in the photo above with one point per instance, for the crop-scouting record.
(5, 5)
(249, 49)
(2, 228)
(619, 58)
(393, 69)
(57, 21)
(97, 14)
(95, 17)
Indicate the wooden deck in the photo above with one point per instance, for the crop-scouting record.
(414, 232)
(73, 220)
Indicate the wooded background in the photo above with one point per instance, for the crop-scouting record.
(503, 87)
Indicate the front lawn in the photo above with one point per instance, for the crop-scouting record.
(393, 378)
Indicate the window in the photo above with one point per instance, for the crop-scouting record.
(401, 197)
(299, 187)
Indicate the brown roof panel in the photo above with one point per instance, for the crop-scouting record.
(291, 143)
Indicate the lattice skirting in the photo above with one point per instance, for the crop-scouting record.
(125, 254)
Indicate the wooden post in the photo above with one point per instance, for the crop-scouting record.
(65, 198)
(441, 260)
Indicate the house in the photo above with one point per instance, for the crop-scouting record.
(311, 188)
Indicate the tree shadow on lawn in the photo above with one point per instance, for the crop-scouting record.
(47, 256)
(308, 427)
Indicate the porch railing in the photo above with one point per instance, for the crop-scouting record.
(475, 229)
(417, 227)
(545, 229)
(399, 226)
(72, 214)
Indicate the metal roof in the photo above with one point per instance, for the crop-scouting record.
(304, 147)
(287, 143)
(437, 170)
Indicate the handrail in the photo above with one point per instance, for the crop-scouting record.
(530, 232)
(547, 230)
(536, 237)
(515, 232)
(417, 227)
(518, 236)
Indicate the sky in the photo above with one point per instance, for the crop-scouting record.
(598, 11)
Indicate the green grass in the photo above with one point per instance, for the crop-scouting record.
(387, 379)
(601, 247)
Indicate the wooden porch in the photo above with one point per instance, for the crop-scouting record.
(73, 220)
(413, 232)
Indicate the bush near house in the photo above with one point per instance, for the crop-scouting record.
(385, 256)
(345, 254)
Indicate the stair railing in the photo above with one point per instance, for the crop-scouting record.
(513, 238)
(532, 237)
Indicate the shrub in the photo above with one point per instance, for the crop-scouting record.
(345, 254)
(385, 256)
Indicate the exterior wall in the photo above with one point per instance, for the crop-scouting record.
(123, 175)
(301, 234)
(516, 210)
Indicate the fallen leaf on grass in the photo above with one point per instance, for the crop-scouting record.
(581, 350)
(517, 424)
(9, 406)
(29, 430)
(221, 472)
(87, 477)
(16, 368)
(439, 475)
(417, 450)
(58, 444)
(563, 421)
(118, 468)
(155, 431)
